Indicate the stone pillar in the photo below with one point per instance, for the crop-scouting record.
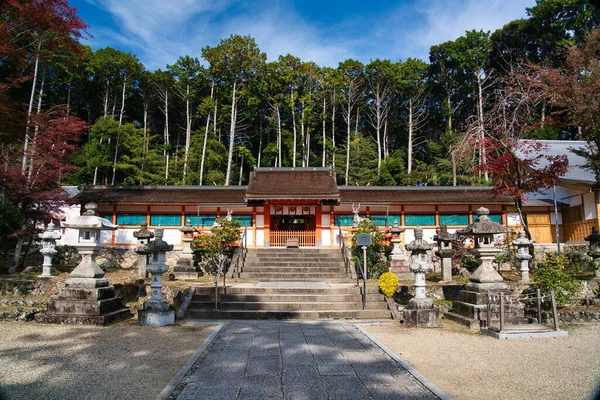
(143, 236)
(157, 311)
(420, 310)
(522, 244)
(184, 270)
(445, 251)
(49, 238)
(398, 259)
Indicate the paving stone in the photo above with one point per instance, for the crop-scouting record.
(345, 388)
(261, 387)
(299, 375)
(263, 366)
(336, 369)
(315, 391)
(389, 392)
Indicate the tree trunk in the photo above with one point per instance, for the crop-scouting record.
(482, 150)
(212, 89)
(279, 138)
(241, 171)
(294, 129)
(324, 153)
(303, 135)
(378, 128)
(30, 108)
(449, 104)
(106, 96)
(146, 145)
(260, 140)
(231, 132)
(410, 136)
(36, 129)
(453, 168)
(333, 129)
(385, 140)
(349, 119)
(188, 132)
(114, 168)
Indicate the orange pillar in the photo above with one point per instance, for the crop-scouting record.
(267, 223)
(318, 227)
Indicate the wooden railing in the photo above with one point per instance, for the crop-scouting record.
(280, 238)
(577, 231)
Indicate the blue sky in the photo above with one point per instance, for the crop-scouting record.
(158, 32)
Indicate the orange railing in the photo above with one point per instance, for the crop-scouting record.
(280, 238)
(577, 231)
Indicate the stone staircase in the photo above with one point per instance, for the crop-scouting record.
(309, 284)
(293, 265)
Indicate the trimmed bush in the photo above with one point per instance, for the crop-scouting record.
(553, 275)
(388, 283)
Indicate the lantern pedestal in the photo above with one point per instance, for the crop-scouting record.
(399, 264)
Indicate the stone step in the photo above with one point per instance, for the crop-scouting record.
(285, 261)
(301, 298)
(303, 250)
(292, 314)
(293, 257)
(287, 290)
(291, 268)
(80, 319)
(290, 276)
(286, 306)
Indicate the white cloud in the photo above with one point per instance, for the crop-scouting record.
(160, 31)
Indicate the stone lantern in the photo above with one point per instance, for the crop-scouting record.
(522, 244)
(420, 310)
(445, 251)
(594, 240)
(49, 238)
(143, 236)
(471, 308)
(483, 231)
(398, 259)
(86, 297)
(157, 311)
(185, 265)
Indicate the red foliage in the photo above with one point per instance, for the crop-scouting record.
(39, 193)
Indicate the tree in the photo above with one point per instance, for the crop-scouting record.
(518, 166)
(573, 90)
(235, 62)
(39, 196)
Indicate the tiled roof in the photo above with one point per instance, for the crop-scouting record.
(164, 194)
(292, 183)
(576, 173)
(420, 194)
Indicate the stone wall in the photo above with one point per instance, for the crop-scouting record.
(572, 317)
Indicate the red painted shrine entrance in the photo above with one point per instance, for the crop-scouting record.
(293, 225)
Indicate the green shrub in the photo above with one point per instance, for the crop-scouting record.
(375, 252)
(388, 284)
(222, 241)
(553, 275)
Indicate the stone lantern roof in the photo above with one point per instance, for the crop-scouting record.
(419, 244)
(395, 230)
(483, 225)
(158, 244)
(143, 233)
(443, 235)
(89, 220)
(187, 228)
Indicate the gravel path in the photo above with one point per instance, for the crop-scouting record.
(473, 366)
(123, 361)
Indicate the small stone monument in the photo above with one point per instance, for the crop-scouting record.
(86, 297)
(143, 236)
(471, 308)
(445, 251)
(522, 244)
(157, 311)
(184, 270)
(398, 258)
(594, 240)
(420, 310)
(49, 238)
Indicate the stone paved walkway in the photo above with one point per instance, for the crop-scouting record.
(296, 361)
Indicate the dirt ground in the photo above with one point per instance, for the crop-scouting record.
(123, 361)
(473, 366)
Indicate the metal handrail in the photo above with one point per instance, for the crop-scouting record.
(360, 270)
(241, 254)
(216, 281)
(538, 297)
(344, 249)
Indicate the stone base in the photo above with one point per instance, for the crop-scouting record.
(472, 324)
(422, 317)
(85, 305)
(400, 269)
(156, 318)
(185, 275)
